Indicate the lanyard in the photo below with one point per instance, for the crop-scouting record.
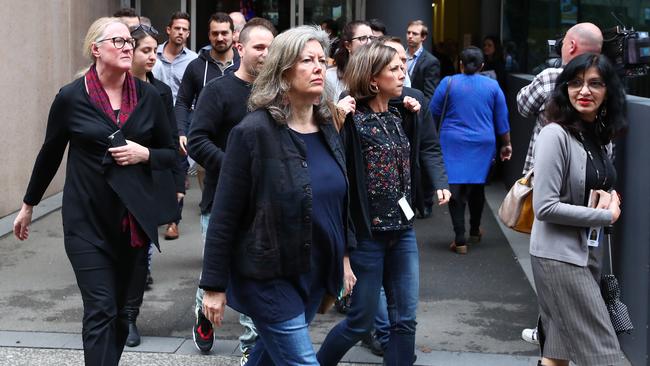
(396, 147)
(593, 164)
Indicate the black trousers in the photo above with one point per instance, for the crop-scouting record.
(472, 195)
(138, 282)
(103, 280)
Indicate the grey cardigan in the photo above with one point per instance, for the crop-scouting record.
(558, 199)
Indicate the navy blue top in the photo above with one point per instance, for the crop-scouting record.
(285, 298)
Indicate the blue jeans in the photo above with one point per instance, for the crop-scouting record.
(288, 342)
(393, 262)
(249, 337)
(382, 324)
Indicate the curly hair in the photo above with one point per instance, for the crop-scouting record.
(611, 119)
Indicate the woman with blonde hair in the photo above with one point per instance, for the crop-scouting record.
(380, 160)
(116, 131)
(278, 229)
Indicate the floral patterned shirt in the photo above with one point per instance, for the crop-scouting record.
(386, 153)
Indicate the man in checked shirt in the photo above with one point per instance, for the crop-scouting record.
(579, 39)
(531, 99)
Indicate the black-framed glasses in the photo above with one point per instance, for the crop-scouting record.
(364, 39)
(144, 28)
(592, 85)
(119, 42)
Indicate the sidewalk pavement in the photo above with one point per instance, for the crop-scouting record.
(472, 308)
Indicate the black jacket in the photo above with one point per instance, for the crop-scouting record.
(97, 191)
(426, 74)
(426, 158)
(260, 224)
(222, 105)
(177, 171)
(198, 73)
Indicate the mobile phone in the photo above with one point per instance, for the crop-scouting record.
(117, 139)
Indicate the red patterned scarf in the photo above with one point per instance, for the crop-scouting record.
(99, 98)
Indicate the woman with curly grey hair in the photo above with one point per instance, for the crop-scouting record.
(278, 229)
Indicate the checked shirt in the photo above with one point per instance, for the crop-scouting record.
(531, 101)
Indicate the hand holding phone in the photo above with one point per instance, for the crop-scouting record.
(116, 139)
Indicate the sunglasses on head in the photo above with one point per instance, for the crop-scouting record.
(144, 28)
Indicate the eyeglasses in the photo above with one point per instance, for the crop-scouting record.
(364, 39)
(119, 42)
(592, 85)
(144, 28)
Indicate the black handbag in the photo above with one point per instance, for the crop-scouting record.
(611, 292)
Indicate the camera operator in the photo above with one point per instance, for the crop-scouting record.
(531, 99)
(579, 39)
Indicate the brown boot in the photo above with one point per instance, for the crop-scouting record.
(172, 232)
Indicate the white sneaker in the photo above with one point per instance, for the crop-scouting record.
(244, 358)
(530, 335)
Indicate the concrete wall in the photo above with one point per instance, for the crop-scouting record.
(630, 249)
(41, 53)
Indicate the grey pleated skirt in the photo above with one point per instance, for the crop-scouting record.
(574, 322)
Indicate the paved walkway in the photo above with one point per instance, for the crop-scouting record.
(472, 308)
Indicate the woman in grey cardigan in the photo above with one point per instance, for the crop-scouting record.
(571, 162)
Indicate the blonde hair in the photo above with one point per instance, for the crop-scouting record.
(94, 34)
(271, 86)
(367, 61)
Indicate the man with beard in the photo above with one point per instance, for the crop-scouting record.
(222, 105)
(214, 61)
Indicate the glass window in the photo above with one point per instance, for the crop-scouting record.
(316, 11)
(527, 25)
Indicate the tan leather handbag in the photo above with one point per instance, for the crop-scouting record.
(516, 211)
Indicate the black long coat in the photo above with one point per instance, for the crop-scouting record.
(97, 191)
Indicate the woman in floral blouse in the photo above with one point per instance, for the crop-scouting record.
(381, 148)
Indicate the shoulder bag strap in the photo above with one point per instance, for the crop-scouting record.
(444, 104)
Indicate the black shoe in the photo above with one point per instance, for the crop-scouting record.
(428, 210)
(133, 339)
(202, 333)
(370, 341)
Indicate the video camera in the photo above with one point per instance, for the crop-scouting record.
(628, 50)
